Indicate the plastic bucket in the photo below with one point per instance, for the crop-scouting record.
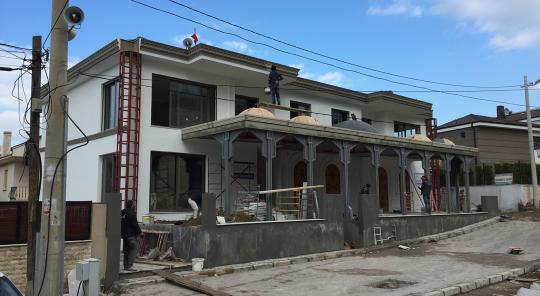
(147, 219)
(197, 264)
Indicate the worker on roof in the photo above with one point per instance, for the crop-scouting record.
(273, 83)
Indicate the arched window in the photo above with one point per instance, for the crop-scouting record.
(333, 185)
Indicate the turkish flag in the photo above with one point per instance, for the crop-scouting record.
(195, 37)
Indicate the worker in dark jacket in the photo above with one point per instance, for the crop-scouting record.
(273, 83)
(425, 189)
(130, 232)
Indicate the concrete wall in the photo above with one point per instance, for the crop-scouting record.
(13, 260)
(413, 226)
(509, 196)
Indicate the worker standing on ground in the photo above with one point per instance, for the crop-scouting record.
(273, 83)
(130, 231)
(425, 189)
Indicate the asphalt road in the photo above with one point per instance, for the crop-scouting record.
(425, 268)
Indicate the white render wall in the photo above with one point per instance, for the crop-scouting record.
(509, 196)
(85, 107)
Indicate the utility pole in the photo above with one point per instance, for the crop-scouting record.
(531, 145)
(33, 164)
(51, 256)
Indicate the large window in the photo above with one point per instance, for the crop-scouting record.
(172, 177)
(108, 173)
(242, 103)
(402, 129)
(339, 116)
(110, 104)
(301, 106)
(179, 103)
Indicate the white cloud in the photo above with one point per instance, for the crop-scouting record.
(238, 46)
(334, 78)
(397, 7)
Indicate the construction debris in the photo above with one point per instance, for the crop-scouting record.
(504, 218)
(189, 284)
(515, 251)
(404, 247)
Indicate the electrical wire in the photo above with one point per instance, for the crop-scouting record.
(316, 60)
(55, 22)
(14, 46)
(329, 57)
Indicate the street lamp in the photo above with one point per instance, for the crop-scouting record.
(531, 141)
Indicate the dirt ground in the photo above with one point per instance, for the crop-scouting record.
(529, 215)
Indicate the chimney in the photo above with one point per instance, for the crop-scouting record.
(6, 145)
(500, 112)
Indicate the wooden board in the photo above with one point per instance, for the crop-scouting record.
(189, 284)
(281, 107)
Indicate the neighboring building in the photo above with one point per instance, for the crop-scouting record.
(13, 173)
(500, 139)
(177, 105)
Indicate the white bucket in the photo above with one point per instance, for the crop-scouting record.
(197, 264)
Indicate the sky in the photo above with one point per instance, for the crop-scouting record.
(460, 42)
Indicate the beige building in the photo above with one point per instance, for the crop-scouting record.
(500, 139)
(13, 173)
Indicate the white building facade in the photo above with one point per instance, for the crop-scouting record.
(184, 88)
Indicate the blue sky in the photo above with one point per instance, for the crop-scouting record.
(473, 42)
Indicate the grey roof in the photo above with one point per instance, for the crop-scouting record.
(357, 125)
(473, 118)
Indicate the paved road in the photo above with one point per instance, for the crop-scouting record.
(425, 268)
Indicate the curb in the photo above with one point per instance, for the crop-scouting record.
(484, 282)
(270, 263)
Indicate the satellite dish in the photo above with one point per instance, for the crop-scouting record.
(72, 32)
(188, 42)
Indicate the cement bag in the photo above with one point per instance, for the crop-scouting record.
(535, 286)
(73, 284)
(527, 292)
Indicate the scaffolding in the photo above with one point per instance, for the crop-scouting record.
(129, 111)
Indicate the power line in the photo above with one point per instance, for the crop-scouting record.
(329, 57)
(16, 47)
(319, 61)
(54, 25)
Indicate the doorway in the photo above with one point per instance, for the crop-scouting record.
(300, 174)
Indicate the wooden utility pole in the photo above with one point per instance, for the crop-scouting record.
(52, 235)
(34, 164)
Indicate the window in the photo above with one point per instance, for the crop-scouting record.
(179, 103)
(242, 103)
(4, 186)
(108, 173)
(366, 120)
(332, 179)
(110, 104)
(402, 129)
(339, 116)
(172, 176)
(301, 106)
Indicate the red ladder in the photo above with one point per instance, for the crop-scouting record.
(431, 131)
(129, 113)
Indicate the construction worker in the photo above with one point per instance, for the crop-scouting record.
(273, 83)
(130, 231)
(425, 189)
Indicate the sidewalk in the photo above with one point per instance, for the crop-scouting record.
(392, 271)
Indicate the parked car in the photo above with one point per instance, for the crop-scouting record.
(7, 288)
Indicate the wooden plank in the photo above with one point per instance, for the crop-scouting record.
(281, 107)
(190, 284)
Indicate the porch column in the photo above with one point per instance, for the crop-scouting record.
(402, 163)
(226, 155)
(270, 155)
(426, 157)
(466, 168)
(376, 163)
(448, 171)
(345, 159)
(310, 154)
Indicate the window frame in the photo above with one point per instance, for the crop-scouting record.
(204, 178)
(341, 112)
(238, 97)
(104, 120)
(211, 87)
(406, 128)
(293, 114)
(103, 159)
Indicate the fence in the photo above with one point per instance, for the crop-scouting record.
(14, 221)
